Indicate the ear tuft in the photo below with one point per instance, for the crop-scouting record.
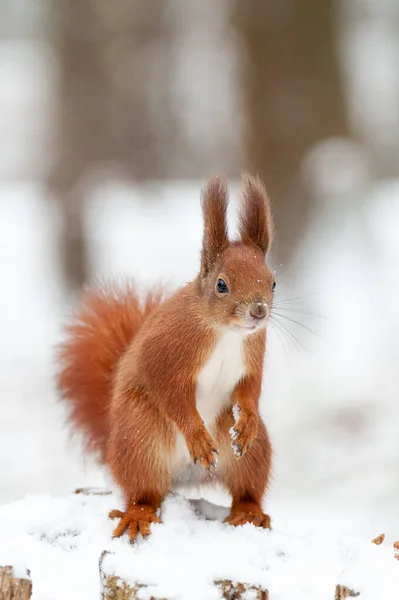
(255, 218)
(214, 203)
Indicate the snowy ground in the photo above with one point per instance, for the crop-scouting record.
(332, 412)
(61, 540)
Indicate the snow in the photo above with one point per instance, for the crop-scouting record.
(233, 432)
(60, 540)
(236, 412)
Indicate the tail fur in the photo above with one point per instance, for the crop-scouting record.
(100, 331)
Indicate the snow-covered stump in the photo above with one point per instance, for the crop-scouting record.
(114, 587)
(342, 592)
(241, 591)
(14, 588)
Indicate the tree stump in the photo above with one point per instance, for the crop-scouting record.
(12, 588)
(342, 592)
(114, 587)
(240, 591)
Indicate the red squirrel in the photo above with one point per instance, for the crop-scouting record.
(166, 391)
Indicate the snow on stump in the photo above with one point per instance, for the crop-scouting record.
(14, 588)
(241, 591)
(342, 592)
(114, 587)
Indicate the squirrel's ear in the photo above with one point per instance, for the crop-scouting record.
(214, 201)
(255, 219)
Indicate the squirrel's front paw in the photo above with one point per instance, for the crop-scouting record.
(243, 431)
(202, 449)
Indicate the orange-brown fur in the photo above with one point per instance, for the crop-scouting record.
(130, 371)
(98, 334)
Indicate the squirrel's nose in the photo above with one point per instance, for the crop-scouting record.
(258, 310)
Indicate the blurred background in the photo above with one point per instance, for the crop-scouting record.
(112, 114)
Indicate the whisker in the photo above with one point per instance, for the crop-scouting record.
(304, 326)
(304, 312)
(300, 346)
(299, 297)
(274, 325)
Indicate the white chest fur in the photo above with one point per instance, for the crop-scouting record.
(217, 378)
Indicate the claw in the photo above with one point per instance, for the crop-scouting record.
(202, 449)
(237, 449)
(115, 514)
(234, 433)
(243, 432)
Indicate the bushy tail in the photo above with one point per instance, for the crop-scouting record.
(100, 331)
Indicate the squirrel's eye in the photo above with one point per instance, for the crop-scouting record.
(222, 287)
(273, 286)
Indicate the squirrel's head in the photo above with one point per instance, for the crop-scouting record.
(237, 283)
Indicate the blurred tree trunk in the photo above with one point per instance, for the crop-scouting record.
(293, 97)
(103, 113)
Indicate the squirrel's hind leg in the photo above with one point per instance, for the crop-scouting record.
(139, 449)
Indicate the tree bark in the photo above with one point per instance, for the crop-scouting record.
(342, 592)
(12, 588)
(108, 72)
(115, 588)
(240, 591)
(292, 96)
